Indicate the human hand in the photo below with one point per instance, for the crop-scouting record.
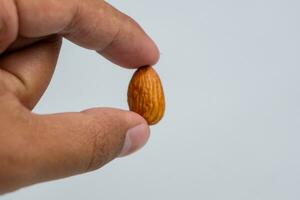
(36, 148)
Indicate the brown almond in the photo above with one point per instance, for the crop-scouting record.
(146, 96)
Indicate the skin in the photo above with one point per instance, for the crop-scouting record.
(36, 148)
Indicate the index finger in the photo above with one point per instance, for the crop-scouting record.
(93, 24)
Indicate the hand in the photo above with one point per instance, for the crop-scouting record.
(36, 148)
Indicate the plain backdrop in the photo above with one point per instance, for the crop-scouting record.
(230, 71)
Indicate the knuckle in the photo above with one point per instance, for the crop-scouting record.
(103, 145)
(97, 151)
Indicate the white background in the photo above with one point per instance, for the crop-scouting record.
(231, 71)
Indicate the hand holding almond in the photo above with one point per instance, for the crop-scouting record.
(36, 148)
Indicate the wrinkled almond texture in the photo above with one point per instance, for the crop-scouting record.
(146, 96)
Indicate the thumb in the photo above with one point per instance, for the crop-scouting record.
(70, 143)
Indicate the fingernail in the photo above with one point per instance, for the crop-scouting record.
(135, 139)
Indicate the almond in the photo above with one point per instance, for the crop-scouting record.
(146, 96)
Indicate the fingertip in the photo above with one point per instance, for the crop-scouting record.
(148, 54)
(135, 118)
(132, 47)
(134, 128)
(135, 139)
(137, 136)
(151, 53)
(143, 52)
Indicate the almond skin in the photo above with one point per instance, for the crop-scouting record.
(146, 96)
